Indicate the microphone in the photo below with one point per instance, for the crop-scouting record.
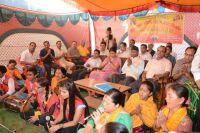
(101, 110)
(48, 119)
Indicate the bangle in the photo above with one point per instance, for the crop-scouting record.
(98, 127)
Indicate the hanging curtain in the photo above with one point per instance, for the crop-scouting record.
(25, 19)
(61, 20)
(123, 17)
(45, 20)
(74, 18)
(5, 15)
(94, 18)
(107, 17)
(85, 16)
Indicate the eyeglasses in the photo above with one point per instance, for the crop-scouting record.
(186, 54)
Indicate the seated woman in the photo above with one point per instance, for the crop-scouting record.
(47, 104)
(174, 116)
(112, 112)
(142, 108)
(59, 74)
(73, 109)
(110, 65)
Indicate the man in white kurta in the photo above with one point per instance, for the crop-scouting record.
(131, 70)
(90, 64)
(60, 56)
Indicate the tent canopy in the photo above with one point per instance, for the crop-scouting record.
(120, 7)
(100, 7)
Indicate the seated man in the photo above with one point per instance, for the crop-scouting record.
(131, 69)
(123, 52)
(172, 53)
(157, 68)
(144, 55)
(91, 63)
(182, 68)
(47, 56)
(7, 84)
(168, 55)
(29, 85)
(150, 49)
(83, 50)
(13, 72)
(73, 52)
(103, 50)
(60, 57)
(29, 59)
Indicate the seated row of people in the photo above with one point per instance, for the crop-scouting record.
(68, 108)
(134, 70)
(49, 58)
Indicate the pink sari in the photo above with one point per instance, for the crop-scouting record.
(107, 71)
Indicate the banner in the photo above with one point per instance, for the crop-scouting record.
(157, 28)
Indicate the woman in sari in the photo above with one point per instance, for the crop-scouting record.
(174, 116)
(142, 108)
(110, 65)
(112, 112)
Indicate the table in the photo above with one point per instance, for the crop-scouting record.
(89, 85)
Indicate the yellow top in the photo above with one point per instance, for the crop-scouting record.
(148, 110)
(173, 122)
(83, 50)
(16, 73)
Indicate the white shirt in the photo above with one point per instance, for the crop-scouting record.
(155, 66)
(93, 62)
(28, 57)
(123, 54)
(145, 56)
(135, 69)
(11, 85)
(196, 65)
(105, 52)
(59, 52)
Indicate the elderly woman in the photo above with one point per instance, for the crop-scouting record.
(174, 116)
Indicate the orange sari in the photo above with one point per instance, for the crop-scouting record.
(148, 110)
(173, 122)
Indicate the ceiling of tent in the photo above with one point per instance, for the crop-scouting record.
(100, 7)
(103, 7)
(41, 6)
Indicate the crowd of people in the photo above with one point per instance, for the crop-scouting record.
(142, 70)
